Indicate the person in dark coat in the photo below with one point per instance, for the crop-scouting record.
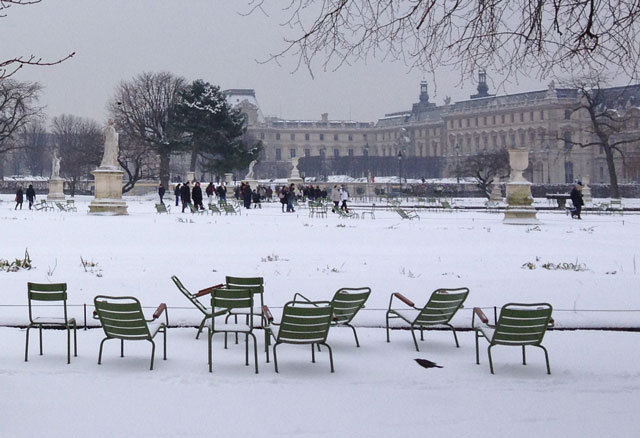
(176, 193)
(31, 195)
(196, 194)
(185, 195)
(246, 195)
(255, 197)
(209, 191)
(19, 198)
(576, 198)
(161, 191)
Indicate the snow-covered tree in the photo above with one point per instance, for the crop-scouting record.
(211, 129)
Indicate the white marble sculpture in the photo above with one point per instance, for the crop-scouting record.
(250, 174)
(110, 157)
(55, 164)
(295, 173)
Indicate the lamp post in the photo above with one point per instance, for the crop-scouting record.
(457, 163)
(400, 168)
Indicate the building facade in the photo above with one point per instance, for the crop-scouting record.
(436, 138)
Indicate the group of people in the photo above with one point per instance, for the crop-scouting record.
(31, 197)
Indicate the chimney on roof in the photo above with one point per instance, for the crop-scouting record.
(325, 117)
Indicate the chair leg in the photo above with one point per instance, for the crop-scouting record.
(100, 352)
(68, 346)
(204, 320)
(26, 348)
(40, 331)
(490, 360)
(209, 336)
(153, 352)
(75, 340)
(255, 350)
(477, 349)
(355, 335)
(414, 339)
(121, 347)
(421, 333)
(330, 355)
(313, 354)
(164, 344)
(524, 357)
(546, 358)
(455, 336)
(246, 349)
(387, 318)
(267, 342)
(275, 356)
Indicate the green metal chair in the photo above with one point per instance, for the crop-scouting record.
(51, 294)
(303, 323)
(439, 310)
(206, 311)
(233, 299)
(346, 302)
(122, 318)
(518, 325)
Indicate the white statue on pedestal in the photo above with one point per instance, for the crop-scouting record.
(250, 174)
(55, 165)
(110, 157)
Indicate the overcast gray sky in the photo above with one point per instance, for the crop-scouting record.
(115, 40)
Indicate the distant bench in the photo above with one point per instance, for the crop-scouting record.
(561, 198)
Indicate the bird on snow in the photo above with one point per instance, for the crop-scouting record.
(427, 363)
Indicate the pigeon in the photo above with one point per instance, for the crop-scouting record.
(427, 363)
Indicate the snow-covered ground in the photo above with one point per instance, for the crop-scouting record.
(377, 390)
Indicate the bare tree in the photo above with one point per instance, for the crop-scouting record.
(138, 160)
(17, 108)
(10, 66)
(81, 146)
(35, 142)
(142, 109)
(485, 166)
(510, 36)
(608, 116)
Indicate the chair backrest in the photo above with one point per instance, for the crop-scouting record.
(49, 292)
(161, 208)
(347, 301)
(443, 304)
(121, 317)
(191, 297)
(522, 324)
(305, 322)
(255, 284)
(231, 299)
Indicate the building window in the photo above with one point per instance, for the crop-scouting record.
(531, 116)
(350, 137)
(493, 120)
(278, 136)
(321, 137)
(306, 136)
(466, 122)
(522, 117)
(335, 137)
(307, 152)
(459, 123)
(351, 152)
(512, 119)
(292, 152)
(292, 136)
(336, 153)
(484, 120)
(567, 142)
(476, 122)
(502, 119)
(541, 115)
(322, 153)
(567, 114)
(278, 154)
(365, 152)
(262, 136)
(364, 136)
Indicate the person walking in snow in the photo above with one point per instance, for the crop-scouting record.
(576, 198)
(344, 197)
(161, 192)
(185, 195)
(335, 197)
(19, 198)
(31, 195)
(196, 195)
(176, 193)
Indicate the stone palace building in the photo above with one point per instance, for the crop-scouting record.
(432, 140)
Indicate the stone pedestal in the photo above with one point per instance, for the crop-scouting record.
(252, 183)
(56, 190)
(586, 190)
(496, 192)
(108, 193)
(519, 209)
(191, 176)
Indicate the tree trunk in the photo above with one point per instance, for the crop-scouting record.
(165, 158)
(613, 176)
(194, 158)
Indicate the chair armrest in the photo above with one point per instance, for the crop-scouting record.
(478, 312)
(208, 290)
(95, 315)
(404, 299)
(161, 308)
(552, 322)
(298, 294)
(267, 313)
